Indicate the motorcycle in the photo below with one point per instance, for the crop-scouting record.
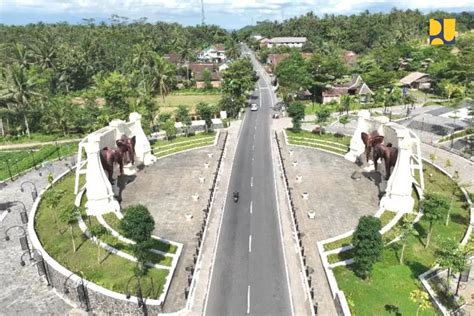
(236, 197)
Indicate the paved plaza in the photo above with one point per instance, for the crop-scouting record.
(166, 188)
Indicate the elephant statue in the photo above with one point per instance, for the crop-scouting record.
(110, 156)
(127, 146)
(368, 140)
(387, 152)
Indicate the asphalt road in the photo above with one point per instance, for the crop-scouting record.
(249, 275)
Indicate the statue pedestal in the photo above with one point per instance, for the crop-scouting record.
(357, 146)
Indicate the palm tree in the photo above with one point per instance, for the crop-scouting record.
(19, 89)
(185, 54)
(162, 76)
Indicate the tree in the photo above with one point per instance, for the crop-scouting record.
(322, 114)
(19, 88)
(346, 103)
(296, 112)
(206, 77)
(69, 216)
(114, 88)
(182, 115)
(407, 230)
(450, 255)
(162, 76)
(420, 298)
(205, 111)
(368, 245)
(98, 231)
(344, 119)
(169, 128)
(292, 73)
(137, 223)
(52, 199)
(434, 207)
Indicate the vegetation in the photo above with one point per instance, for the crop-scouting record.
(112, 273)
(368, 245)
(296, 112)
(390, 282)
(434, 206)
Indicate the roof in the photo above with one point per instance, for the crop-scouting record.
(275, 59)
(218, 47)
(197, 69)
(287, 40)
(349, 56)
(412, 77)
(356, 84)
(172, 58)
(364, 89)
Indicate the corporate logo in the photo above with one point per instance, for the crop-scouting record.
(442, 31)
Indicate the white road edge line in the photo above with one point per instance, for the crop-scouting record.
(221, 219)
(279, 221)
(248, 299)
(251, 207)
(250, 243)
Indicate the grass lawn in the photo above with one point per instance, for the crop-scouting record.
(191, 100)
(338, 243)
(114, 222)
(391, 283)
(19, 161)
(113, 272)
(181, 143)
(386, 217)
(36, 138)
(344, 140)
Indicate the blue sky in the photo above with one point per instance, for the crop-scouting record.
(229, 14)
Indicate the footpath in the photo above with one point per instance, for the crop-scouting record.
(24, 292)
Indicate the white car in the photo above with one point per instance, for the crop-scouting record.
(253, 107)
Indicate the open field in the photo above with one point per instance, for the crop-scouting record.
(191, 100)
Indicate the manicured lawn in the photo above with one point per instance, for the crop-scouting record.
(338, 243)
(113, 272)
(19, 161)
(36, 138)
(386, 217)
(325, 137)
(391, 283)
(345, 255)
(191, 100)
(114, 222)
(181, 143)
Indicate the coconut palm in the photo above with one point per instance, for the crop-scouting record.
(19, 88)
(162, 76)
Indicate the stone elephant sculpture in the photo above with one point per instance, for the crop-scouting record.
(387, 152)
(109, 157)
(368, 140)
(127, 146)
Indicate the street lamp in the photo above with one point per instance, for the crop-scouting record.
(81, 290)
(38, 260)
(23, 213)
(141, 300)
(23, 239)
(34, 192)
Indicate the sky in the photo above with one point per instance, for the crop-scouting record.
(229, 14)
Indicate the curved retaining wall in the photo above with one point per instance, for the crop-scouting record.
(98, 298)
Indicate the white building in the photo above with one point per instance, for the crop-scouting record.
(287, 41)
(215, 53)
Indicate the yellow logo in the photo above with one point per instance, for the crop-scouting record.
(442, 31)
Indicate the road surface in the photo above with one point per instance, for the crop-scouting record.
(249, 275)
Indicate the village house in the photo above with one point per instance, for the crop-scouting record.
(287, 41)
(274, 59)
(349, 57)
(356, 87)
(198, 74)
(173, 58)
(214, 53)
(416, 80)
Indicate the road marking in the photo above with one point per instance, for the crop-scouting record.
(251, 207)
(253, 147)
(250, 243)
(248, 299)
(251, 184)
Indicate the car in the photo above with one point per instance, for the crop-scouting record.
(253, 107)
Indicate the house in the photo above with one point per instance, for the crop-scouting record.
(264, 42)
(356, 87)
(287, 41)
(416, 80)
(257, 37)
(214, 53)
(275, 59)
(224, 66)
(197, 71)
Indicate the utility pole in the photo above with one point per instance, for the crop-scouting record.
(203, 20)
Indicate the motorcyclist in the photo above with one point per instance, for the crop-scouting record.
(236, 195)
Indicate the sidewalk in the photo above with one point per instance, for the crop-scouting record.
(23, 291)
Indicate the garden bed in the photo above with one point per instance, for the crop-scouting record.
(391, 282)
(113, 272)
(181, 143)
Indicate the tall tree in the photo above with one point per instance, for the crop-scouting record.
(296, 112)
(182, 114)
(368, 245)
(434, 207)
